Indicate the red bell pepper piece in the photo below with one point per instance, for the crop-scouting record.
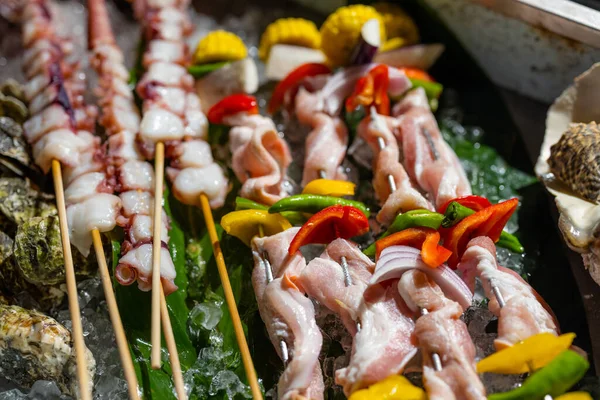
(475, 203)
(371, 90)
(416, 73)
(425, 239)
(487, 222)
(329, 224)
(231, 105)
(292, 82)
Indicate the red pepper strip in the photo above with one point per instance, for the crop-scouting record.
(416, 73)
(292, 82)
(329, 224)
(425, 239)
(487, 222)
(372, 90)
(231, 105)
(475, 203)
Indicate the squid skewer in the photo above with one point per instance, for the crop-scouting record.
(57, 111)
(173, 116)
(121, 122)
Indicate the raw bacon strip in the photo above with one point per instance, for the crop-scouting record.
(133, 177)
(428, 159)
(386, 163)
(442, 332)
(383, 345)
(172, 111)
(326, 143)
(524, 313)
(323, 280)
(288, 315)
(260, 157)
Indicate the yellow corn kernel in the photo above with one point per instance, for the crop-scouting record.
(398, 24)
(220, 46)
(340, 33)
(293, 31)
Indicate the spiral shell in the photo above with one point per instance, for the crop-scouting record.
(575, 160)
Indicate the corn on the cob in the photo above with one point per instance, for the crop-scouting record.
(340, 33)
(220, 46)
(398, 24)
(294, 31)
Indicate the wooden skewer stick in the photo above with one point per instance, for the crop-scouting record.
(115, 318)
(160, 311)
(230, 299)
(159, 168)
(172, 348)
(80, 353)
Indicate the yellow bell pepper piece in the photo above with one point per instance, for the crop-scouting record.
(395, 387)
(392, 44)
(340, 33)
(526, 356)
(329, 187)
(246, 224)
(294, 31)
(575, 396)
(398, 24)
(220, 45)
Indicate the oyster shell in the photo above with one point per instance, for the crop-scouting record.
(34, 346)
(579, 217)
(12, 143)
(575, 160)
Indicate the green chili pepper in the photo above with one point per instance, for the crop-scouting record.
(554, 379)
(353, 118)
(457, 212)
(313, 203)
(295, 217)
(409, 219)
(433, 90)
(198, 71)
(246, 204)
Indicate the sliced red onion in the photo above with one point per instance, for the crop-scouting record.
(421, 56)
(368, 44)
(341, 85)
(396, 260)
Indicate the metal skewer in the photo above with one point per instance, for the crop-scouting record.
(435, 357)
(343, 261)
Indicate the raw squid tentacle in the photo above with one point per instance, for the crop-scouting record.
(130, 175)
(171, 110)
(60, 127)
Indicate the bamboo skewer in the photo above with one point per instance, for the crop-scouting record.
(172, 348)
(159, 168)
(79, 343)
(230, 299)
(115, 317)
